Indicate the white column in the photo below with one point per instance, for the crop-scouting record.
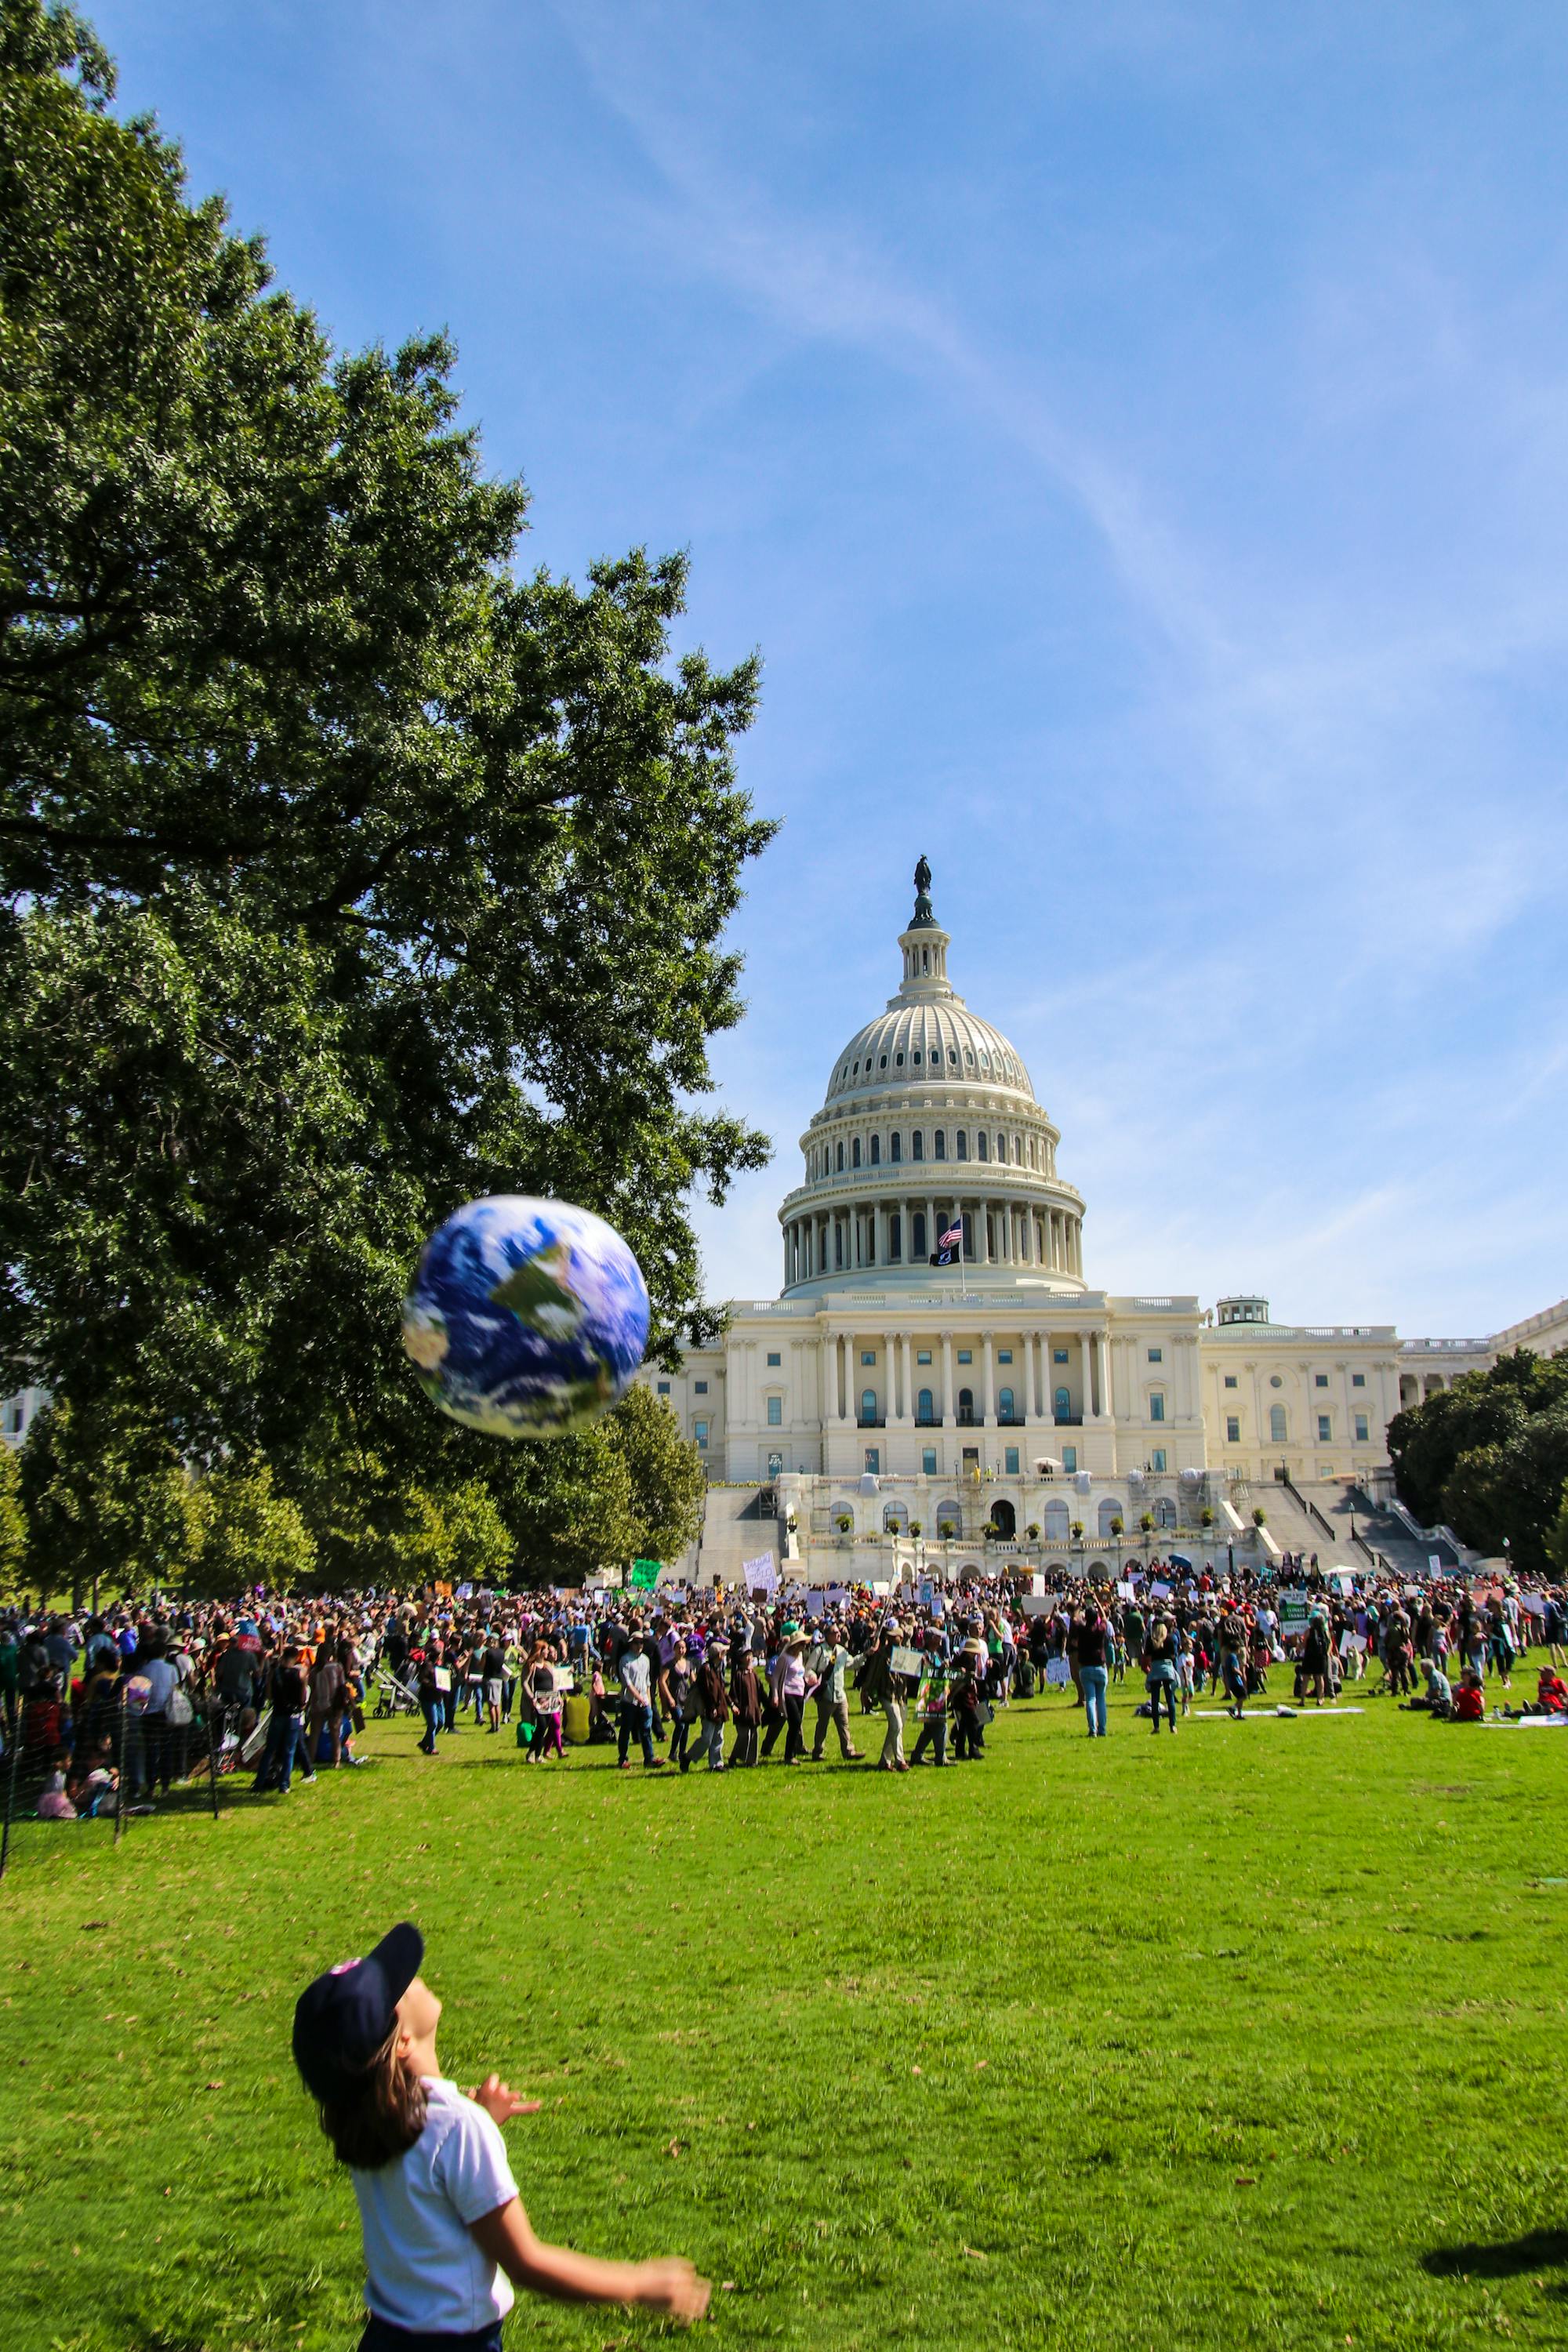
(1086, 1376)
(1104, 1351)
(946, 1378)
(987, 1385)
(907, 1353)
(930, 1224)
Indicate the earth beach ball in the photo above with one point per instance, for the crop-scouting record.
(526, 1318)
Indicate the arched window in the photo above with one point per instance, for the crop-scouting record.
(1004, 1405)
(1062, 1404)
(855, 1153)
(964, 1143)
(867, 1404)
(1277, 1424)
(982, 1145)
(917, 1145)
(939, 1144)
(875, 1151)
(896, 1149)
(1057, 1520)
(1164, 1513)
(1109, 1509)
(895, 1239)
(923, 1412)
(966, 1408)
(919, 1246)
(841, 1158)
(896, 1519)
(1002, 1147)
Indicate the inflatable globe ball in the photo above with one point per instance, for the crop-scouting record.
(527, 1318)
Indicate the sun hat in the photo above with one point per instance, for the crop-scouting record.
(341, 2020)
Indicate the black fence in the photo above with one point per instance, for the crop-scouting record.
(108, 1760)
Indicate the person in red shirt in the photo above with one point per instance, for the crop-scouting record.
(1470, 1699)
(1551, 1695)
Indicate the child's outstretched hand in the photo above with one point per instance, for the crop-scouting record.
(673, 2286)
(501, 2102)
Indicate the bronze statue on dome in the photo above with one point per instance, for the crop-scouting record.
(922, 879)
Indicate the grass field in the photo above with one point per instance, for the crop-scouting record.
(1254, 2037)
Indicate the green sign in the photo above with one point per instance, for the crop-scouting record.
(646, 1573)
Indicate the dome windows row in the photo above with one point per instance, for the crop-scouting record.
(857, 1151)
(932, 1055)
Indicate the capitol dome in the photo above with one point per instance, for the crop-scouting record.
(929, 1123)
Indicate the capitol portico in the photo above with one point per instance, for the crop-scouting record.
(999, 1389)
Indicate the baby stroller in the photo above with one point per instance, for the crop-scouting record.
(393, 1696)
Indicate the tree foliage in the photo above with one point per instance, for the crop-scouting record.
(1490, 1456)
(346, 872)
(13, 1521)
(247, 1534)
(106, 1498)
(668, 1484)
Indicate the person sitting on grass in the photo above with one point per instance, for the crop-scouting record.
(1470, 1699)
(1438, 1699)
(446, 2237)
(56, 1804)
(1551, 1696)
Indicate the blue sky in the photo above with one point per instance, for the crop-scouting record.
(1136, 437)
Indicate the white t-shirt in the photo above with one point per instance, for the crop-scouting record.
(635, 1685)
(423, 2269)
(161, 1678)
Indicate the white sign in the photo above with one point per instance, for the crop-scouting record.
(1124, 1588)
(816, 1602)
(905, 1661)
(837, 1595)
(1434, 1563)
(761, 1575)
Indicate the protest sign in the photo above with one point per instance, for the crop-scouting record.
(1292, 1612)
(816, 1602)
(646, 1574)
(838, 1596)
(1124, 1588)
(761, 1574)
(905, 1661)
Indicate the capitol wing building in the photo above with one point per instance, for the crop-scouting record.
(1000, 1399)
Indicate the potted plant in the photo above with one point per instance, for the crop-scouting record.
(946, 1529)
(1077, 1532)
(916, 1527)
(992, 1531)
(1032, 1531)
(1259, 1516)
(1147, 1523)
(1117, 1527)
(1206, 1517)
(845, 1523)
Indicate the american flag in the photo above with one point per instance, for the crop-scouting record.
(951, 1239)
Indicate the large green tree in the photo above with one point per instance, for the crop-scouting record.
(667, 1481)
(346, 872)
(1490, 1455)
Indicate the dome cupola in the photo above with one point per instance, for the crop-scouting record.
(930, 1119)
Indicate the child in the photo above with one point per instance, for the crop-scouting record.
(439, 2206)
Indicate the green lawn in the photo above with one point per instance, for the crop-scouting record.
(1251, 2037)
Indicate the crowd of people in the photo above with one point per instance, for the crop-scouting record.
(114, 1709)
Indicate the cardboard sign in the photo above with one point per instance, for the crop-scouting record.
(816, 1602)
(905, 1661)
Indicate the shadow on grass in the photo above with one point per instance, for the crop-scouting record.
(1537, 2250)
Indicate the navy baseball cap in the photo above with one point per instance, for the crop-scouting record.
(341, 2020)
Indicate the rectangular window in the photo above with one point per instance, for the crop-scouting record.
(928, 1461)
(1233, 1428)
(1156, 1407)
(1004, 1355)
(966, 1355)
(1325, 1428)
(774, 1363)
(700, 1432)
(775, 1413)
(867, 1355)
(1069, 1457)
(663, 1388)
(1358, 1379)
(1058, 1355)
(923, 1355)
(874, 1461)
(701, 1387)
(1230, 1379)
(917, 1145)
(1360, 1429)
(1157, 1459)
(1010, 1461)
(1319, 1380)
(1156, 1355)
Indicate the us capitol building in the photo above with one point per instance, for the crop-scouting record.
(1003, 1392)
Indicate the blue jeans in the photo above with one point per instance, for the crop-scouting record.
(1235, 1680)
(636, 1723)
(434, 1710)
(1093, 1680)
(1161, 1685)
(285, 1740)
(379, 2335)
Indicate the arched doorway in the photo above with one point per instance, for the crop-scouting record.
(966, 1408)
(1003, 1518)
